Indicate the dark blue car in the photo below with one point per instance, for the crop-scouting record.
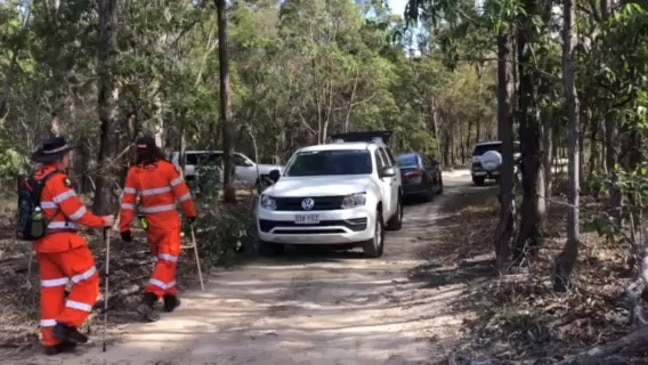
(421, 176)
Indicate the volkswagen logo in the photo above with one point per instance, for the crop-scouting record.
(308, 204)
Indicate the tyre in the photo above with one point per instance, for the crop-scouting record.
(373, 248)
(429, 195)
(396, 222)
(479, 180)
(272, 249)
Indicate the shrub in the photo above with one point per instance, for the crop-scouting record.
(221, 230)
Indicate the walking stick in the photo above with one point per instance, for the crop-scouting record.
(195, 246)
(105, 325)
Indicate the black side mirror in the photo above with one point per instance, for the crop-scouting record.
(388, 172)
(274, 175)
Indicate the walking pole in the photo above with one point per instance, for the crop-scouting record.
(105, 325)
(195, 246)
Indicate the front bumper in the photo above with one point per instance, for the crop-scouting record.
(333, 227)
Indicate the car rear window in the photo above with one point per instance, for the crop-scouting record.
(407, 160)
(481, 149)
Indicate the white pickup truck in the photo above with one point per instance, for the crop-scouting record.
(345, 193)
(247, 172)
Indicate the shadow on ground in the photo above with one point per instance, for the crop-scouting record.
(460, 252)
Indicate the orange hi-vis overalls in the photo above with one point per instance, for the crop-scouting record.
(64, 257)
(158, 186)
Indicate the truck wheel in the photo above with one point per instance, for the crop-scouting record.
(396, 222)
(479, 180)
(373, 248)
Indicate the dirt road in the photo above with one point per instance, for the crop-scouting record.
(308, 308)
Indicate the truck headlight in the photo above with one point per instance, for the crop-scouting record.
(354, 200)
(267, 202)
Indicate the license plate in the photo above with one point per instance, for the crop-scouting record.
(306, 219)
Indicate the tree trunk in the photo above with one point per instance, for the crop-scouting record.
(567, 259)
(603, 151)
(594, 152)
(466, 150)
(158, 115)
(452, 151)
(612, 145)
(505, 89)
(480, 73)
(229, 195)
(82, 165)
(434, 116)
(446, 153)
(105, 198)
(530, 236)
(581, 148)
(547, 122)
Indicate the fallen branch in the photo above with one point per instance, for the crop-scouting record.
(634, 339)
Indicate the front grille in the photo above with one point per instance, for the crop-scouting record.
(355, 224)
(321, 203)
(312, 231)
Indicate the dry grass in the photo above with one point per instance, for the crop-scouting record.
(519, 317)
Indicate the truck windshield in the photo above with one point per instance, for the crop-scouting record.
(332, 162)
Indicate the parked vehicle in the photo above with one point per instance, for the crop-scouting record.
(421, 175)
(487, 161)
(246, 171)
(344, 192)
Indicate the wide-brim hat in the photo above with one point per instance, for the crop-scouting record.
(51, 150)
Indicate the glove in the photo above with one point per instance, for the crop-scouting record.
(127, 236)
(191, 220)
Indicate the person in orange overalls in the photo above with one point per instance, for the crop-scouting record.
(63, 255)
(158, 184)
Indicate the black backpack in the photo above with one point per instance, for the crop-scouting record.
(32, 223)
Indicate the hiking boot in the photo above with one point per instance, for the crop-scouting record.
(147, 308)
(65, 346)
(66, 333)
(171, 302)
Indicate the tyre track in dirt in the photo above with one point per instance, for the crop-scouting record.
(310, 307)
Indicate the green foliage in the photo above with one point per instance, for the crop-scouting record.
(222, 228)
(298, 73)
(206, 186)
(634, 183)
(225, 228)
(11, 163)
